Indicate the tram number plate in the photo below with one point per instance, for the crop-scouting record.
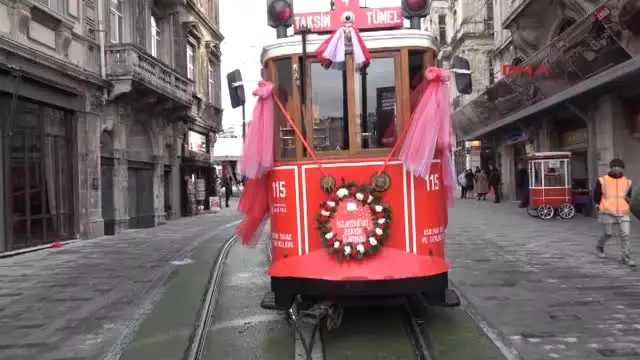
(433, 182)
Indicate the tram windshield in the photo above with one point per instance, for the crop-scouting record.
(347, 110)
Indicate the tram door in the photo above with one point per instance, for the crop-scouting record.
(141, 213)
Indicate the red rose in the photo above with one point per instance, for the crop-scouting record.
(324, 218)
(334, 198)
(380, 215)
(366, 245)
(352, 191)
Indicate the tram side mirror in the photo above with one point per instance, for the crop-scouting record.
(236, 88)
(462, 74)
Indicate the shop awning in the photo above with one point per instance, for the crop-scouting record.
(594, 52)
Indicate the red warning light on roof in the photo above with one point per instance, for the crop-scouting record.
(280, 11)
(363, 18)
(416, 5)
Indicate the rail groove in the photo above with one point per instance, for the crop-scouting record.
(198, 343)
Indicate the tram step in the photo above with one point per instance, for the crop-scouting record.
(451, 299)
(269, 301)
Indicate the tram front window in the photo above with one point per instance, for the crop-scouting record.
(284, 91)
(329, 109)
(376, 104)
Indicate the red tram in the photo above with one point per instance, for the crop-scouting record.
(348, 216)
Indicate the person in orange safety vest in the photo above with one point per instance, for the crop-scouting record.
(612, 194)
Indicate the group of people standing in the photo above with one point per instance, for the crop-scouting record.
(480, 182)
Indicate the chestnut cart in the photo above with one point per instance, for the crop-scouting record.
(550, 185)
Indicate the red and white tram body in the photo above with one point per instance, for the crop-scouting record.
(342, 116)
(550, 185)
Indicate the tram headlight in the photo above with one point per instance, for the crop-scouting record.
(415, 8)
(280, 13)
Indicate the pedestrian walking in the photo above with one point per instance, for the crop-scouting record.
(612, 194)
(462, 183)
(228, 189)
(494, 182)
(470, 181)
(482, 185)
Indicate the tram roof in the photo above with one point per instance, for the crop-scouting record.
(385, 39)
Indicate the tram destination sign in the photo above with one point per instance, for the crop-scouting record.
(363, 18)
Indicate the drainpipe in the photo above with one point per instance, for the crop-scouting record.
(101, 41)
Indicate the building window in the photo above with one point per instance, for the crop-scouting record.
(442, 29)
(191, 60)
(155, 36)
(212, 82)
(488, 25)
(116, 21)
(55, 5)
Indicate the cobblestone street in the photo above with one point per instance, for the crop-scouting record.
(84, 301)
(540, 284)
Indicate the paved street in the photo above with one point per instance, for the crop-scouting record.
(540, 283)
(85, 300)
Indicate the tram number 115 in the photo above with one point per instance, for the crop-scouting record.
(279, 189)
(433, 182)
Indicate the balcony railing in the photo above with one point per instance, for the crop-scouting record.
(128, 61)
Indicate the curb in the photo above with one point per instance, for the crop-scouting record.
(496, 336)
(13, 253)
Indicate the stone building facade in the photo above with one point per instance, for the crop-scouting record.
(465, 28)
(97, 101)
(583, 104)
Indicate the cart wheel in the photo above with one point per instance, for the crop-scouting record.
(532, 212)
(566, 211)
(545, 211)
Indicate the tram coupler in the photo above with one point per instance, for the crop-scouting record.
(310, 324)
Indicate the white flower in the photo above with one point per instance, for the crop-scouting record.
(369, 199)
(328, 235)
(331, 203)
(360, 248)
(342, 192)
(379, 231)
(336, 244)
(347, 250)
(325, 213)
(373, 241)
(360, 196)
(379, 208)
(381, 221)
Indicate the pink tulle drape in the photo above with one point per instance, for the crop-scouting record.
(430, 133)
(255, 163)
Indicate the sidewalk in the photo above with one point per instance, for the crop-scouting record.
(540, 284)
(85, 300)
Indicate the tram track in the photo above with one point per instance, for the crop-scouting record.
(198, 343)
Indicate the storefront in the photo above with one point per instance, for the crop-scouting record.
(38, 173)
(576, 107)
(196, 173)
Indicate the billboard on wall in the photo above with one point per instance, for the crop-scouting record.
(608, 36)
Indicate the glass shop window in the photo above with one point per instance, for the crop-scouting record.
(329, 108)
(284, 92)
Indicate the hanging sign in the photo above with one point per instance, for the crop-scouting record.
(363, 18)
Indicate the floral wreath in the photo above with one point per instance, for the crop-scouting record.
(381, 219)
